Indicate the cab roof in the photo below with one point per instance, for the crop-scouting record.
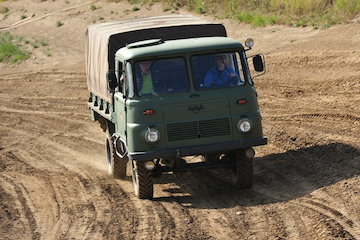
(157, 47)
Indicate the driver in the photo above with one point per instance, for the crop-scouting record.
(220, 74)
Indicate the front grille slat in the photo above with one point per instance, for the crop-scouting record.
(198, 129)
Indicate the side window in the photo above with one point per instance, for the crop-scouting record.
(120, 76)
(238, 66)
(129, 83)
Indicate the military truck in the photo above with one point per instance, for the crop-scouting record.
(168, 87)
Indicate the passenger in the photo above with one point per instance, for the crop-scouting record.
(152, 80)
(221, 74)
(145, 85)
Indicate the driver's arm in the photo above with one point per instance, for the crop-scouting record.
(209, 78)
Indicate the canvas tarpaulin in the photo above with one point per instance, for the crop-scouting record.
(104, 39)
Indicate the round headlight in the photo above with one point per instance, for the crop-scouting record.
(244, 125)
(249, 42)
(152, 135)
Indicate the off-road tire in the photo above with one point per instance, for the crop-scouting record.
(143, 180)
(244, 170)
(117, 165)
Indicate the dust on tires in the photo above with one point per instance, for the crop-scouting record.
(143, 180)
(244, 170)
(116, 165)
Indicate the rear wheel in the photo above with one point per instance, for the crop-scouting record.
(117, 165)
(143, 180)
(244, 170)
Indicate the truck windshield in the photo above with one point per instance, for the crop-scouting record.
(161, 76)
(218, 70)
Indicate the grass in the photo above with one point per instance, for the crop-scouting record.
(93, 7)
(10, 52)
(59, 24)
(43, 43)
(4, 10)
(167, 8)
(12, 49)
(297, 13)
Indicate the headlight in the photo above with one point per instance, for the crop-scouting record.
(244, 125)
(152, 135)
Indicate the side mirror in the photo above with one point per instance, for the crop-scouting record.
(112, 81)
(258, 63)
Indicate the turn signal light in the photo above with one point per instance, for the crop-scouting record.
(242, 101)
(149, 112)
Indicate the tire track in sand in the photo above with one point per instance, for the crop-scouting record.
(346, 225)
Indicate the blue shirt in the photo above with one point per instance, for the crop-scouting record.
(216, 78)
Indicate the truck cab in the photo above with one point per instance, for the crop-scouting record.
(175, 98)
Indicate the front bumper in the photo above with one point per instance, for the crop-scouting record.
(197, 150)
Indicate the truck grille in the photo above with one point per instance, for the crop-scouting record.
(198, 129)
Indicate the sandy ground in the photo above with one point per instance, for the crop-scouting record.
(53, 176)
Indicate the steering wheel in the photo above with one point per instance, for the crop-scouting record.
(234, 80)
(229, 83)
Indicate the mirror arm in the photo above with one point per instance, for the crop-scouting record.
(264, 65)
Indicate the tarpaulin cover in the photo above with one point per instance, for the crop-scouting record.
(104, 39)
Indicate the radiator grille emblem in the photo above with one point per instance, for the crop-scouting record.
(196, 108)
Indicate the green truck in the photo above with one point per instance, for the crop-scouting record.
(167, 87)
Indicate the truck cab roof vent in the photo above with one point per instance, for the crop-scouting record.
(146, 43)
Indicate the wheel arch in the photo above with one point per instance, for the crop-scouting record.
(106, 124)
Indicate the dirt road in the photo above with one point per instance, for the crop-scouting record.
(53, 176)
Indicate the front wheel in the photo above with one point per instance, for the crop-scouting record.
(143, 180)
(116, 165)
(244, 170)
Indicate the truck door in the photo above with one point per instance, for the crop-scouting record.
(120, 102)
